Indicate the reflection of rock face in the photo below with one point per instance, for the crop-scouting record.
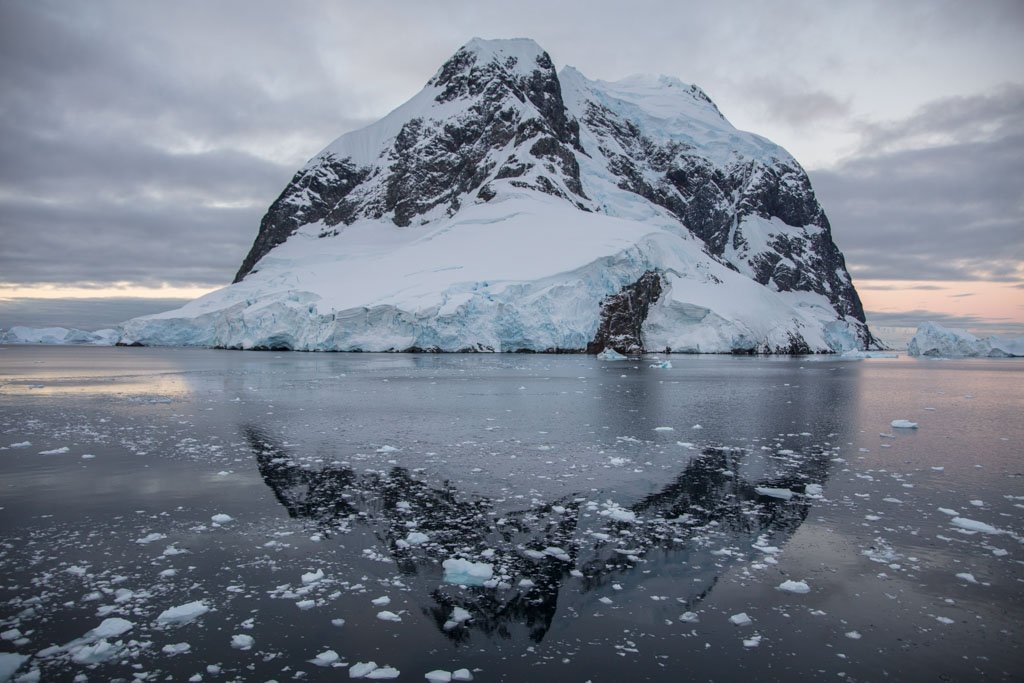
(705, 509)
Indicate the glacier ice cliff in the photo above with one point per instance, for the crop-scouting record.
(935, 341)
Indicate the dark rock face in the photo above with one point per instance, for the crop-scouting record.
(315, 193)
(623, 316)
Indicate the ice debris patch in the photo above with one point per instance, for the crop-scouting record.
(903, 424)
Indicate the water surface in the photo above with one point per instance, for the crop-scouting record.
(625, 513)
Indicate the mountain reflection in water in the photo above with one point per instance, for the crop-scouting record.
(706, 520)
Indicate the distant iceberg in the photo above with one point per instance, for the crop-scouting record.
(58, 335)
(935, 341)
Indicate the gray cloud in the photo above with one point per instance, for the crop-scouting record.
(949, 210)
(794, 102)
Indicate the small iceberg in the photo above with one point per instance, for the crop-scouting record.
(466, 573)
(610, 354)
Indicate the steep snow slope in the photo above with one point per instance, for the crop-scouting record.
(506, 207)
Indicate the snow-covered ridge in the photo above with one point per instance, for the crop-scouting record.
(509, 206)
(935, 341)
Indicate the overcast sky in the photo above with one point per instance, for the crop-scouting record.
(140, 142)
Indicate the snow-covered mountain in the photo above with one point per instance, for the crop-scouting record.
(510, 207)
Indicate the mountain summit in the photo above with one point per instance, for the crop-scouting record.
(509, 206)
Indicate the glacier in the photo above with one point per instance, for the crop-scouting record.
(935, 341)
(509, 207)
(58, 335)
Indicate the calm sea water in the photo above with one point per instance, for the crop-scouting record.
(620, 517)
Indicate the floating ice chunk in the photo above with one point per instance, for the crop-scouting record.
(88, 456)
(337, 622)
(242, 641)
(416, 538)
(99, 651)
(10, 634)
(813, 490)
(182, 614)
(460, 615)
(312, 577)
(109, 628)
(741, 619)
(77, 571)
(21, 444)
(387, 449)
(794, 587)
(752, 641)
(610, 354)
(9, 663)
(967, 576)
(689, 617)
(328, 657)
(944, 620)
(221, 518)
(386, 615)
(664, 429)
(557, 553)
(619, 514)
(360, 669)
(462, 675)
(853, 635)
(903, 424)
(466, 573)
(974, 525)
(947, 511)
(55, 451)
(784, 494)
(306, 604)
(696, 427)
(384, 673)
(978, 503)
(381, 601)
(438, 676)
(662, 365)
(175, 649)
